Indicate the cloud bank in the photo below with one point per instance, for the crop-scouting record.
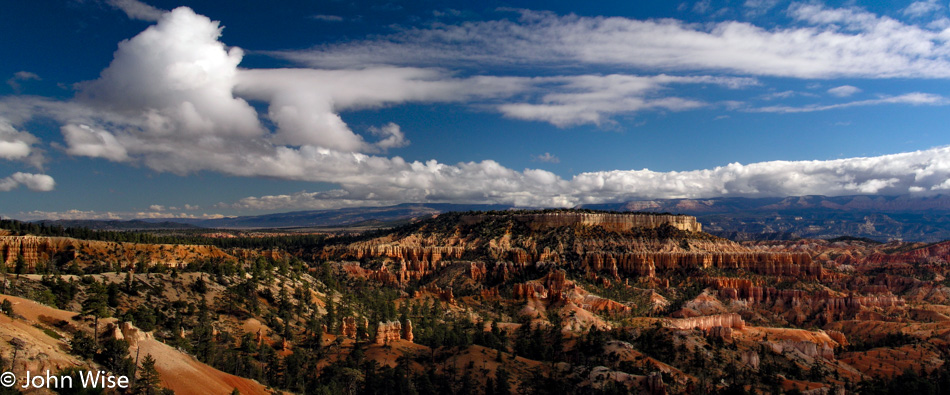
(926, 171)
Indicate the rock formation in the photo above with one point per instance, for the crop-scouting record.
(608, 244)
(39, 249)
(434, 290)
(392, 331)
(554, 287)
(705, 323)
(128, 332)
(348, 328)
(407, 331)
(612, 222)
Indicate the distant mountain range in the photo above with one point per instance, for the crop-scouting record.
(882, 218)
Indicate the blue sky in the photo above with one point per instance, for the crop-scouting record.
(125, 109)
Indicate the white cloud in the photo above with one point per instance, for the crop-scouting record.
(35, 182)
(14, 144)
(844, 90)
(327, 18)
(325, 200)
(915, 98)
(156, 207)
(488, 182)
(759, 7)
(920, 9)
(105, 215)
(546, 158)
(137, 10)
(19, 145)
(20, 76)
(177, 77)
(702, 6)
(83, 140)
(390, 135)
(174, 100)
(305, 103)
(592, 98)
(843, 42)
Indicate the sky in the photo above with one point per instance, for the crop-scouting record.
(121, 109)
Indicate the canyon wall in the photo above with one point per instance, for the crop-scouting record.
(614, 222)
(39, 249)
(706, 323)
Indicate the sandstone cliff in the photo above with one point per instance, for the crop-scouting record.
(706, 323)
(613, 222)
(40, 249)
(608, 244)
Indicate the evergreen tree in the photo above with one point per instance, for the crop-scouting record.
(502, 386)
(82, 345)
(96, 305)
(20, 266)
(148, 382)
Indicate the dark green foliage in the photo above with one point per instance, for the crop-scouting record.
(502, 386)
(148, 382)
(114, 356)
(908, 383)
(63, 291)
(199, 286)
(890, 340)
(77, 388)
(6, 307)
(19, 267)
(82, 345)
(294, 242)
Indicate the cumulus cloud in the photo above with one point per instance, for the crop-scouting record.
(177, 77)
(15, 144)
(83, 140)
(844, 90)
(390, 136)
(175, 100)
(35, 182)
(137, 10)
(833, 42)
(487, 182)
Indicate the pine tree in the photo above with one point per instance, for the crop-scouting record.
(20, 266)
(149, 382)
(502, 387)
(96, 306)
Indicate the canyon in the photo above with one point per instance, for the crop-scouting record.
(646, 302)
